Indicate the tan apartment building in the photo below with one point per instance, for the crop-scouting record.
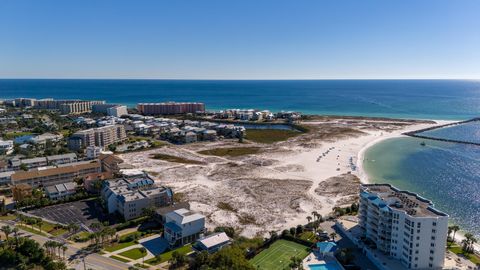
(47, 176)
(79, 107)
(101, 137)
(170, 108)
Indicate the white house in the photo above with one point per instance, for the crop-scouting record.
(6, 147)
(212, 243)
(183, 226)
(61, 191)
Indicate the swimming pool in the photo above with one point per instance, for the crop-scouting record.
(325, 266)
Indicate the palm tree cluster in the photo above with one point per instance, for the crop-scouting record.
(23, 253)
(454, 229)
(32, 221)
(468, 242)
(102, 234)
(52, 247)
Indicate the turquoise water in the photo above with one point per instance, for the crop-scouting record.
(446, 173)
(327, 266)
(427, 99)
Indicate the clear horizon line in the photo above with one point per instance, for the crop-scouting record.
(232, 79)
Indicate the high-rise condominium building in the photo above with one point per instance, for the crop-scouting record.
(102, 137)
(403, 226)
(170, 108)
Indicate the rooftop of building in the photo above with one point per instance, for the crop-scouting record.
(183, 216)
(70, 186)
(411, 203)
(214, 239)
(48, 171)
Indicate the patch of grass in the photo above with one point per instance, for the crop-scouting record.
(308, 236)
(119, 259)
(175, 159)
(458, 250)
(178, 196)
(12, 135)
(8, 217)
(58, 232)
(231, 151)
(278, 255)
(167, 255)
(270, 135)
(29, 229)
(142, 265)
(81, 237)
(134, 253)
(226, 206)
(119, 246)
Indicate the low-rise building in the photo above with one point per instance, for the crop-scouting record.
(183, 226)
(212, 243)
(6, 147)
(21, 191)
(47, 176)
(117, 111)
(130, 196)
(61, 191)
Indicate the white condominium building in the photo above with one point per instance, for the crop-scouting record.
(403, 225)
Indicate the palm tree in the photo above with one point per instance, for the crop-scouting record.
(7, 231)
(455, 228)
(450, 229)
(15, 233)
(332, 235)
(315, 214)
(64, 248)
(309, 218)
(39, 222)
(143, 250)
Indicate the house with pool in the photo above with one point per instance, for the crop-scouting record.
(323, 257)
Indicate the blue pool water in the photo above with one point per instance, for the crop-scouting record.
(327, 266)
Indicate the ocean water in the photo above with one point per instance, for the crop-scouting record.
(467, 132)
(420, 99)
(446, 173)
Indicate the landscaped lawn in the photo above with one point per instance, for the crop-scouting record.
(119, 246)
(119, 258)
(231, 151)
(458, 250)
(8, 217)
(142, 265)
(278, 255)
(134, 253)
(29, 229)
(270, 135)
(309, 236)
(167, 255)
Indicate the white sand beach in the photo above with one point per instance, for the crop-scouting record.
(281, 185)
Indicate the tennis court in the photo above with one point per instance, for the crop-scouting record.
(278, 255)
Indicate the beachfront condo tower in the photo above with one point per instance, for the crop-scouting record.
(403, 226)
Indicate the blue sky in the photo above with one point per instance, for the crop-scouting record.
(246, 39)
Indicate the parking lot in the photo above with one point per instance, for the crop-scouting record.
(86, 212)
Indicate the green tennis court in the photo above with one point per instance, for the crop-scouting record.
(278, 255)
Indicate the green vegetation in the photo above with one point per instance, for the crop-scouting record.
(226, 206)
(13, 135)
(170, 158)
(168, 255)
(270, 135)
(29, 229)
(142, 265)
(119, 258)
(279, 254)
(25, 253)
(119, 246)
(7, 217)
(308, 236)
(231, 151)
(459, 251)
(81, 237)
(134, 253)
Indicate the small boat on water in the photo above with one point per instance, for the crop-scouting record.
(422, 144)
